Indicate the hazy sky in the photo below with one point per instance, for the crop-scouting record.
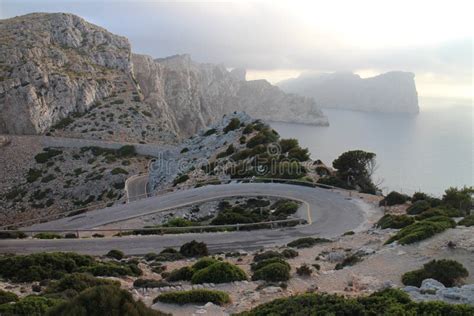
(280, 39)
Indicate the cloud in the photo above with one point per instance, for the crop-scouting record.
(278, 35)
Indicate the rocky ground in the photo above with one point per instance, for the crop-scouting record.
(68, 179)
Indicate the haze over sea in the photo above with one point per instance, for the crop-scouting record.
(430, 151)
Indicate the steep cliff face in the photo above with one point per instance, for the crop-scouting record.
(197, 95)
(390, 92)
(52, 65)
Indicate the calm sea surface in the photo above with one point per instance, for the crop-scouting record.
(429, 151)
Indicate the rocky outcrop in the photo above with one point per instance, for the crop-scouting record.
(197, 95)
(432, 290)
(390, 92)
(52, 65)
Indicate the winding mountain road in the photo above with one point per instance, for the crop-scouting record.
(329, 214)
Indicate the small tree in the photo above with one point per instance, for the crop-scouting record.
(356, 167)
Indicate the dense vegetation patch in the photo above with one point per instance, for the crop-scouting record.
(47, 154)
(149, 283)
(7, 297)
(271, 267)
(103, 300)
(42, 266)
(418, 207)
(28, 306)
(448, 272)
(395, 221)
(194, 249)
(12, 235)
(199, 296)
(386, 302)
(422, 230)
(233, 125)
(115, 254)
(72, 284)
(219, 272)
(467, 221)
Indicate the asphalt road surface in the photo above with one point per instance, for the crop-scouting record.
(329, 213)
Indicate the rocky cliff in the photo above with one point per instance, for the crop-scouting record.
(200, 94)
(390, 92)
(62, 75)
(52, 65)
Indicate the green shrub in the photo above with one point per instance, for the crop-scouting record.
(181, 274)
(273, 272)
(420, 196)
(199, 296)
(260, 264)
(204, 263)
(467, 221)
(179, 222)
(285, 208)
(194, 249)
(299, 154)
(395, 221)
(12, 235)
(47, 236)
(126, 151)
(118, 170)
(112, 269)
(47, 154)
(74, 283)
(33, 175)
(459, 198)
(180, 179)
(394, 198)
(263, 137)
(209, 132)
(219, 272)
(28, 306)
(307, 242)
(448, 272)
(267, 255)
(7, 297)
(287, 144)
(289, 253)
(41, 266)
(63, 123)
(115, 254)
(418, 207)
(422, 230)
(103, 300)
(149, 283)
(233, 125)
(304, 270)
(439, 211)
(386, 302)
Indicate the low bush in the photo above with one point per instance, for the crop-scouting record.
(204, 263)
(103, 300)
(47, 236)
(70, 236)
(420, 196)
(219, 272)
(233, 125)
(304, 270)
(267, 255)
(199, 296)
(467, 221)
(179, 222)
(194, 249)
(47, 154)
(386, 302)
(285, 208)
(209, 132)
(149, 283)
(180, 179)
(439, 211)
(333, 182)
(118, 170)
(12, 235)
(448, 272)
(72, 284)
(112, 269)
(41, 266)
(115, 254)
(422, 230)
(181, 274)
(307, 242)
(418, 207)
(260, 264)
(395, 221)
(273, 272)
(394, 198)
(28, 306)
(289, 253)
(7, 297)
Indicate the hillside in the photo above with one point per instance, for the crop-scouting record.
(389, 92)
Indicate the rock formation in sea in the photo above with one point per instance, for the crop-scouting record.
(389, 92)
